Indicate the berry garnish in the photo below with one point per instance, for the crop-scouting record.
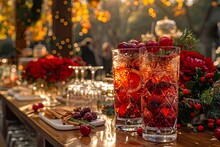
(218, 122)
(210, 125)
(140, 131)
(40, 105)
(165, 41)
(123, 45)
(152, 46)
(77, 115)
(217, 133)
(132, 45)
(134, 41)
(88, 116)
(85, 130)
(200, 128)
(141, 45)
(35, 107)
(185, 91)
(198, 106)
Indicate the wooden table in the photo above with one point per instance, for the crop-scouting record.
(104, 136)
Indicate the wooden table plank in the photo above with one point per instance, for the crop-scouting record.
(104, 136)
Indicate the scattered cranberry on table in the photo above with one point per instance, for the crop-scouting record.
(85, 130)
(178, 126)
(35, 107)
(200, 128)
(217, 133)
(40, 105)
(140, 131)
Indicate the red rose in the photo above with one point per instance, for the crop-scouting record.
(190, 61)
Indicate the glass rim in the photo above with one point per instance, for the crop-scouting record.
(173, 46)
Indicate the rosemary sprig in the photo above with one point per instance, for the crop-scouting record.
(80, 121)
(187, 41)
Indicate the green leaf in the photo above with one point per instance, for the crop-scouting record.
(199, 72)
(206, 97)
(190, 84)
(216, 76)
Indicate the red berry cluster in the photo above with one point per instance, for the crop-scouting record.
(151, 45)
(85, 114)
(213, 123)
(196, 107)
(35, 107)
(208, 77)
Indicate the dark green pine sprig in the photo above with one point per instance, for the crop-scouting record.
(187, 41)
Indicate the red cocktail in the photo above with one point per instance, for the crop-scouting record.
(159, 103)
(127, 88)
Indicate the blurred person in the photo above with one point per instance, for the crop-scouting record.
(88, 52)
(107, 57)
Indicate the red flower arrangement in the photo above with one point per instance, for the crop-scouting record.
(51, 70)
(197, 101)
(190, 61)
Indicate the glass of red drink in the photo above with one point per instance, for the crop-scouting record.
(127, 88)
(159, 70)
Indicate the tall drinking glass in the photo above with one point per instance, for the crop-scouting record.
(159, 70)
(127, 88)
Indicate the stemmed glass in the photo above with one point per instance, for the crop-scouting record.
(93, 70)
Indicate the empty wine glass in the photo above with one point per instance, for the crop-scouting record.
(93, 70)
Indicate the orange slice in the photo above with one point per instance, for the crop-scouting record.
(134, 83)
